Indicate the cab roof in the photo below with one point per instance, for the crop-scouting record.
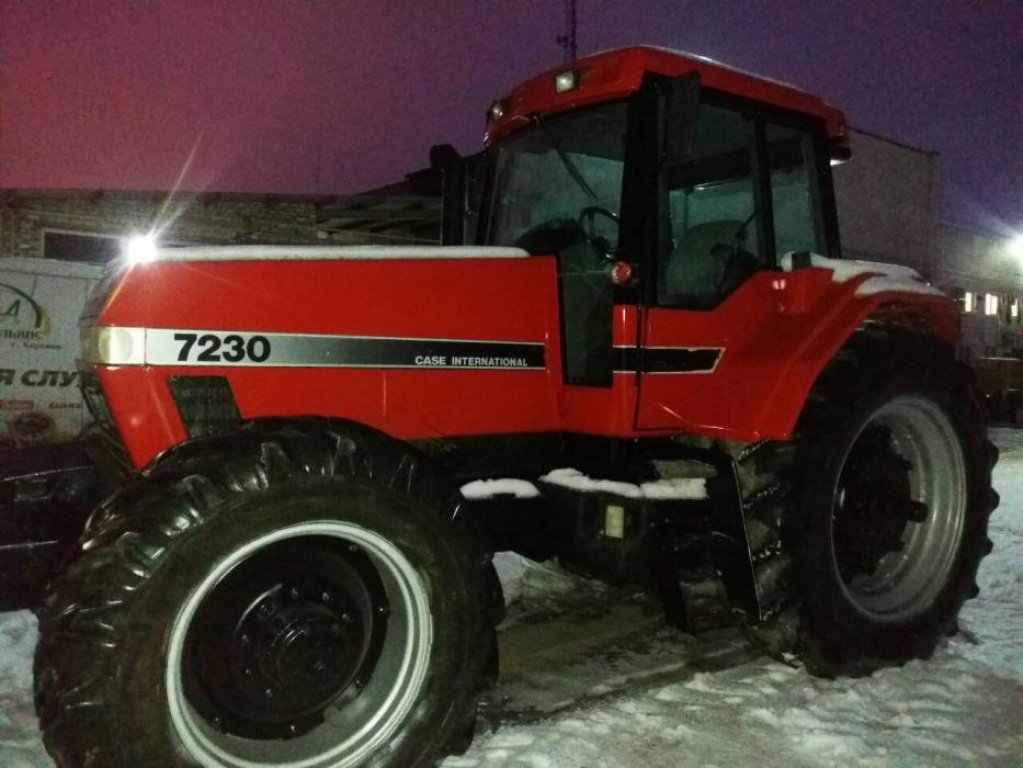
(617, 73)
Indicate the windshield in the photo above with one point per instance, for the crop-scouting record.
(560, 173)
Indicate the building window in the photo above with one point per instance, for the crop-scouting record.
(73, 246)
(969, 302)
(1014, 313)
(990, 304)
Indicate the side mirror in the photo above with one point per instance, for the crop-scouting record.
(682, 105)
(445, 159)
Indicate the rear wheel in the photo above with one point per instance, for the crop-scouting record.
(299, 602)
(876, 512)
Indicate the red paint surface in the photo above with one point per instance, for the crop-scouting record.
(778, 331)
(484, 299)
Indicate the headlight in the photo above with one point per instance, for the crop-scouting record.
(101, 345)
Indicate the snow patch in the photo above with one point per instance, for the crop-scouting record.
(875, 285)
(486, 489)
(884, 277)
(521, 578)
(708, 60)
(337, 252)
(674, 488)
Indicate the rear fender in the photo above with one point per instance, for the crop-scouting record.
(931, 314)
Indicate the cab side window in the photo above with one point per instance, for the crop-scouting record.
(794, 198)
(711, 208)
(749, 192)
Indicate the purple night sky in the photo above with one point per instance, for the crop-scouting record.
(335, 97)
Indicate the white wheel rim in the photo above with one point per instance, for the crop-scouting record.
(909, 581)
(393, 688)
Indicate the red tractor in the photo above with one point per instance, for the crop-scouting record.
(652, 347)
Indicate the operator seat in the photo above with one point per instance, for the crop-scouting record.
(707, 264)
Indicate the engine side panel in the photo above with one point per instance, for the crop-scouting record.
(415, 348)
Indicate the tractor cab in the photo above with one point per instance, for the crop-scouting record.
(662, 184)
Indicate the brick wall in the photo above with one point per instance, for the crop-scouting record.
(213, 218)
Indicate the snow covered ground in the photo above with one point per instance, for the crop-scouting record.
(591, 678)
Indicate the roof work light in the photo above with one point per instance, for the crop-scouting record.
(566, 81)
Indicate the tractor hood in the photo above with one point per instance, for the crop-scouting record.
(413, 341)
(116, 272)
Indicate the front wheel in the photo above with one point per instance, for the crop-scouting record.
(256, 615)
(314, 639)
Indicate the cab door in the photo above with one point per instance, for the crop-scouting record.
(751, 188)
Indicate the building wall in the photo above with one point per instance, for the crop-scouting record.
(887, 202)
(888, 211)
(987, 278)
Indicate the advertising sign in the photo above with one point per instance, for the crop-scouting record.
(40, 301)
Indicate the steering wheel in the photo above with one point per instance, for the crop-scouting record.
(589, 214)
(588, 222)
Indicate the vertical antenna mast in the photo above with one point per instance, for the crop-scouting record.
(567, 40)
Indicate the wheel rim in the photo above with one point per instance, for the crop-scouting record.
(339, 689)
(900, 508)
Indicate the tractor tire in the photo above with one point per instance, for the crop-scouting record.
(290, 595)
(867, 528)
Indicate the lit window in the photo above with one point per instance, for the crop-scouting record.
(969, 302)
(990, 304)
(1014, 310)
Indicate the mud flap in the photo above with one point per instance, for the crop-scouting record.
(697, 556)
(730, 547)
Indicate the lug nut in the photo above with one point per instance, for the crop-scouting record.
(293, 593)
(268, 693)
(325, 597)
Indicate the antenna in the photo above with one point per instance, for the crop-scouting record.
(567, 40)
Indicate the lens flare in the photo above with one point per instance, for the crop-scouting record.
(140, 249)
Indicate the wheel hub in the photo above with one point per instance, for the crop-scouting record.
(278, 642)
(875, 502)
